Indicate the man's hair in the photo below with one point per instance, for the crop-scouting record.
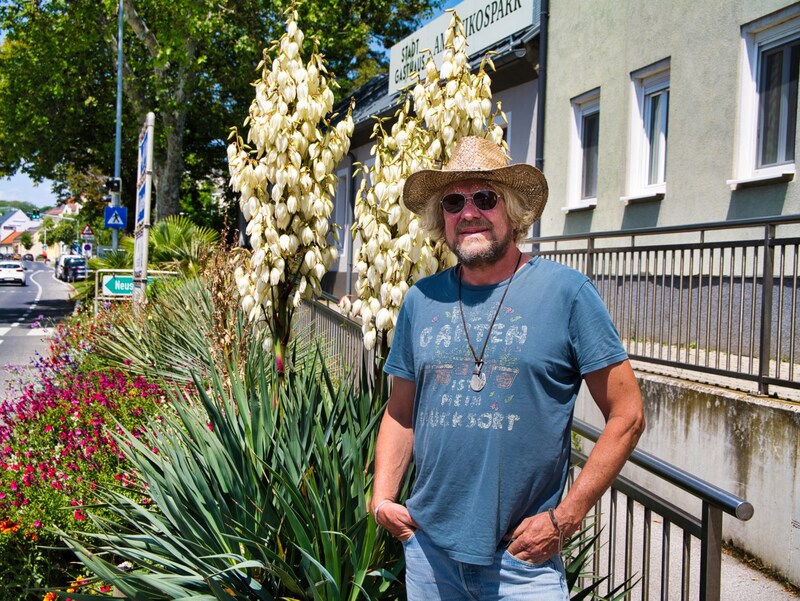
(519, 215)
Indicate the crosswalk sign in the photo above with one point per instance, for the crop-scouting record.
(116, 217)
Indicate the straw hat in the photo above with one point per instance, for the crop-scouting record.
(477, 158)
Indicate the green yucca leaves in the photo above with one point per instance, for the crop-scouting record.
(251, 501)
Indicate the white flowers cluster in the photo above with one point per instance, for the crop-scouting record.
(286, 183)
(394, 251)
(452, 101)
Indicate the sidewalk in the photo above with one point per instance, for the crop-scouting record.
(742, 582)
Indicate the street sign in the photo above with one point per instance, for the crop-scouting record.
(118, 285)
(87, 249)
(87, 233)
(115, 217)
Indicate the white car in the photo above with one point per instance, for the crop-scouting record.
(13, 271)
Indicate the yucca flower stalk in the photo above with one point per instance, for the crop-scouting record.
(286, 185)
(449, 104)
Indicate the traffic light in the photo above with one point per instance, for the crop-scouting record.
(114, 184)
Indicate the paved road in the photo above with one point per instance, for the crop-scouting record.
(27, 315)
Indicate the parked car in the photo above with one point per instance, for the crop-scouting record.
(13, 271)
(71, 268)
(27, 257)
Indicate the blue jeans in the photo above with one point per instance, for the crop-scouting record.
(432, 575)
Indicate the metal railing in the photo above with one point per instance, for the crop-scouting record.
(339, 338)
(652, 567)
(715, 298)
(341, 343)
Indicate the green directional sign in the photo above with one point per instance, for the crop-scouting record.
(119, 285)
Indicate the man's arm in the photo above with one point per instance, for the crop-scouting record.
(617, 395)
(393, 453)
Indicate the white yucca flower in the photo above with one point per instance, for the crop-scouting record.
(449, 103)
(285, 180)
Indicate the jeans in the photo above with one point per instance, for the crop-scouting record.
(432, 575)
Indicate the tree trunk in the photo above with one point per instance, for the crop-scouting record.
(168, 171)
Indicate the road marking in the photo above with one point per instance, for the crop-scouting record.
(43, 332)
(4, 331)
(14, 325)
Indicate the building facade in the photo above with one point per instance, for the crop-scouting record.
(670, 113)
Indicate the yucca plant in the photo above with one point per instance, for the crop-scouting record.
(578, 553)
(251, 501)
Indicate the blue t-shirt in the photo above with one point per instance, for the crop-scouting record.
(486, 460)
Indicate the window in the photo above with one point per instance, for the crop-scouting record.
(768, 99)
(648, 133)
(590, 133)
(777, 104)
(584, 159)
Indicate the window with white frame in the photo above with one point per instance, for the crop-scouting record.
(584, 151)
(648, 132)
(768, 99)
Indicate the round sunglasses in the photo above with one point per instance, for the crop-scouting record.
(484, 200)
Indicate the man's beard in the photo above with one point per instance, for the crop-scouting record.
(484, 255)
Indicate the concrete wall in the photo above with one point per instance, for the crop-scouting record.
(598, 45)
(746, 445)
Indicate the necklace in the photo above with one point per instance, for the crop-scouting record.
(478, 380)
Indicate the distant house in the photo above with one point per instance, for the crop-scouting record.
(69, 209)
(10, 243)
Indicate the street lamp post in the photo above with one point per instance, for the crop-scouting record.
(118, 131)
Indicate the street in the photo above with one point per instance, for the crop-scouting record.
(27, 314)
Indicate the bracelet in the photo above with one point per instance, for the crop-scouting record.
(378, 508)
(553, 519)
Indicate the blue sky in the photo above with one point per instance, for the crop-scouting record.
(21, 187)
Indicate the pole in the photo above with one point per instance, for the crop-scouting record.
(118, 133)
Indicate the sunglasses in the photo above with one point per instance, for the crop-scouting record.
(484, 200)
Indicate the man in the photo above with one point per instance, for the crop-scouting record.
(487, 360)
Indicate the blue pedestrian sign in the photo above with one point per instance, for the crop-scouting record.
(116, 217)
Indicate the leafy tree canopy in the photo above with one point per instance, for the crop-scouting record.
(191, 62)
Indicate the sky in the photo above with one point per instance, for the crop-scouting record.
(21, 187)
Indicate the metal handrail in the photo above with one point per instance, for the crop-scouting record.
(671, 229)
(727, 307)
(728, 502)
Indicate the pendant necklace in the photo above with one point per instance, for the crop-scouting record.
(478, 380)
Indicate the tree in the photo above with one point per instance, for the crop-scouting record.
(26, 240)
(190, 61)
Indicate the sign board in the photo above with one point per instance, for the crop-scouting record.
(144, 187)
(87, 249)
(118, 285)
(139, 256)
(486, 22)
(115, 217)
(87, 233)
(144, 172)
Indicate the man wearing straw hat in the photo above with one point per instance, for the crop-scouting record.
(487, 360)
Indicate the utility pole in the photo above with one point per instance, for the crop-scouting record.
(117, 190)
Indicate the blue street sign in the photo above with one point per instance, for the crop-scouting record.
(116, 217)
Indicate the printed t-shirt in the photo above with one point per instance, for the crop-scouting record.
(486, 460)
